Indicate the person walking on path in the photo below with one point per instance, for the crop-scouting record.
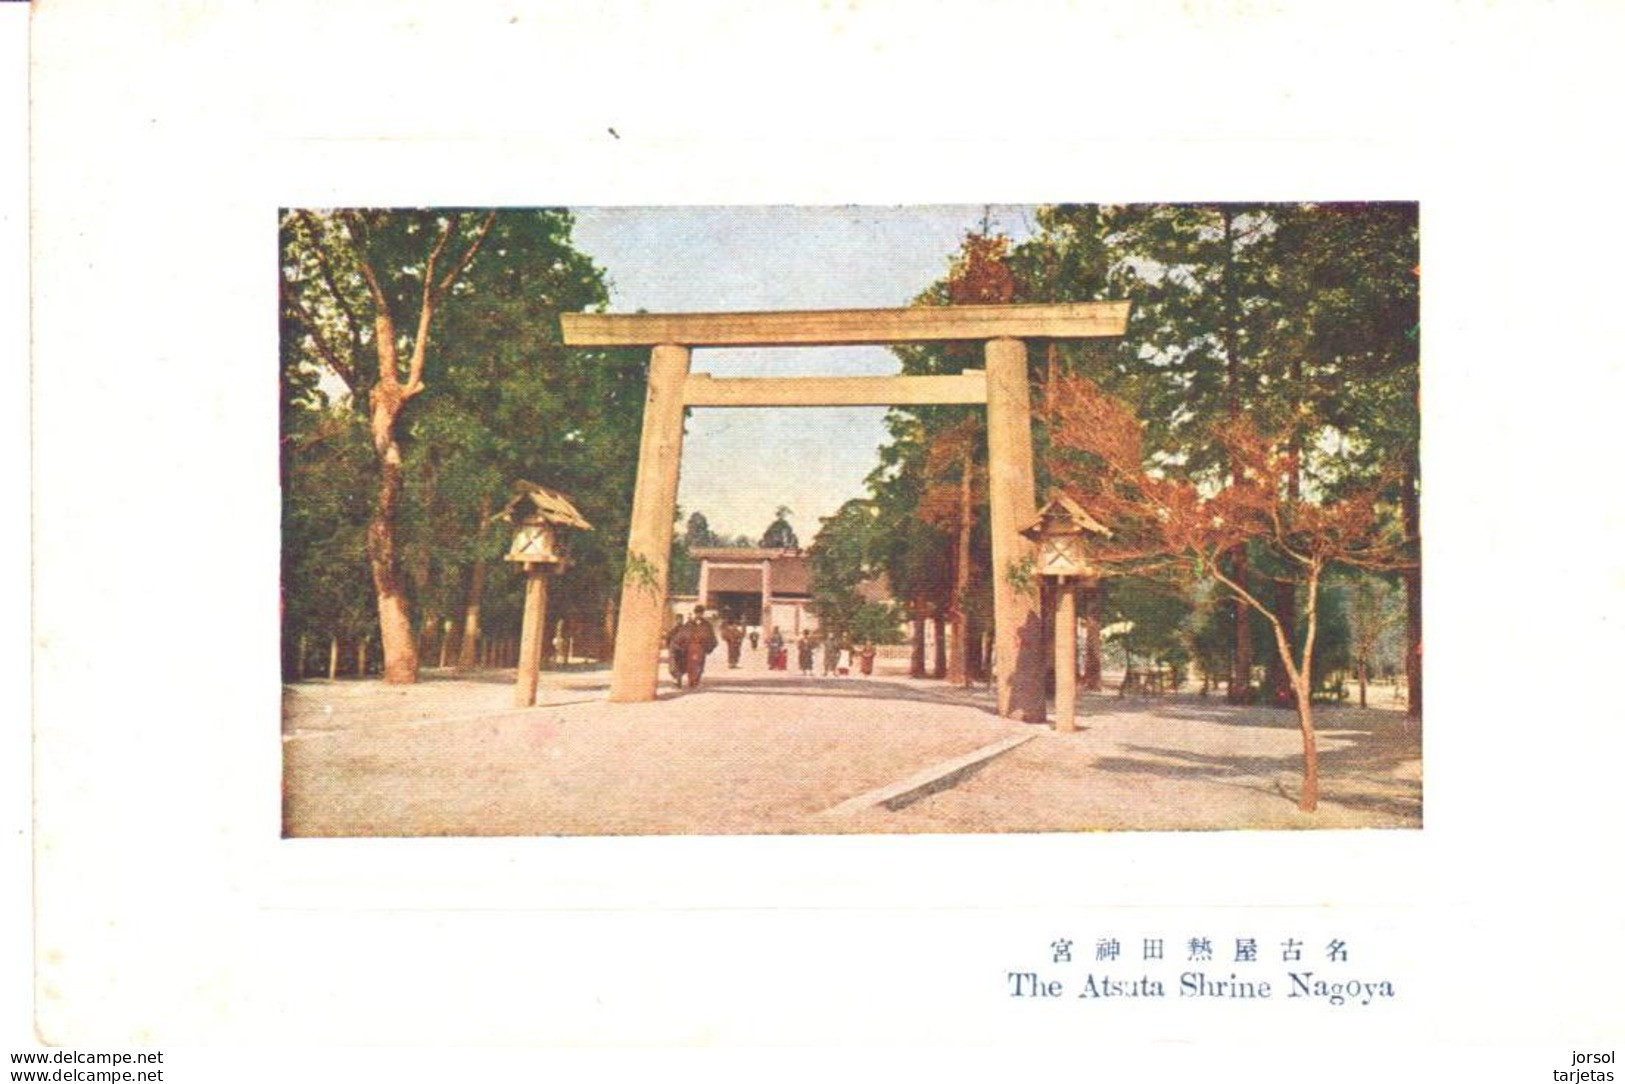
(734, 636)
(690, 643)
(775, 650)
(832, 651)
(866, 659)
(804, 653)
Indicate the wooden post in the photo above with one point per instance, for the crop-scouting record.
(1066, 654)
(767, 598)
(636, 670)
(533, 628)
(1018, 664)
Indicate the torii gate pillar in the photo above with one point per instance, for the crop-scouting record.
(636, 674)
(1018, 655)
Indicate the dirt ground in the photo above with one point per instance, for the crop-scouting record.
(753, 751)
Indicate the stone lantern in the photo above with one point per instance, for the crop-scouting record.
(1062, 531)
(536, 513)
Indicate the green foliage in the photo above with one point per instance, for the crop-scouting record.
(874, 623)
(642, 573)
(698, 532)
(1022, 575)
(684, 575)
(1374, 610)
(1159, 617)
(779, 534)
(327, 474)
(850, 550)
(502, 399)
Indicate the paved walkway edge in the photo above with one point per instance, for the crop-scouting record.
(935, 778)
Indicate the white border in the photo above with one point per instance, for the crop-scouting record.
(166, 137)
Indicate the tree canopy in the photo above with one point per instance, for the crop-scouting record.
(433, 336)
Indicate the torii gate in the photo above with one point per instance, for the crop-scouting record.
(1018, 660)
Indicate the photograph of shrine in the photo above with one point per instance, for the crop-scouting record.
(1019, 518)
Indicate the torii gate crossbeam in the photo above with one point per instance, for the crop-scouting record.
(1003, 387)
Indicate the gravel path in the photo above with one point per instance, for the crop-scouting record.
(758, 752)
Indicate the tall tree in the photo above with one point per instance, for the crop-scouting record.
(362, 293)
(698, 532)
(956, 487)
(1359, 266)
(1097, 442)
(512, 403)
(779, 534)
(406, 264)
(1203, 305)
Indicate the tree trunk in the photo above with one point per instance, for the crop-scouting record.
(428, 630)
(383, 553)
(1309, 798)
(385, 400)
(425, 637)
(1239, 690)
(959, 661)
(975, 651)
(939, 661)
(916, 661)
(1282, 693)
(1362, 672)
(471, 617)
(1410, 510)
(333, 660)
(476, 596)
(1090, 598)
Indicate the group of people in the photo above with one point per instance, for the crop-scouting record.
(689, 642)
(840, 657)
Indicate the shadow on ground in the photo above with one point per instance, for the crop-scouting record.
(1346, 755)
(838, 688)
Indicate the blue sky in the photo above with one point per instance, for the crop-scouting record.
(740, 464)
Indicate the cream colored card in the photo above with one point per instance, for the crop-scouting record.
(168, 912)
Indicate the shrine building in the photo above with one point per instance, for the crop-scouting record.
(753, 586)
